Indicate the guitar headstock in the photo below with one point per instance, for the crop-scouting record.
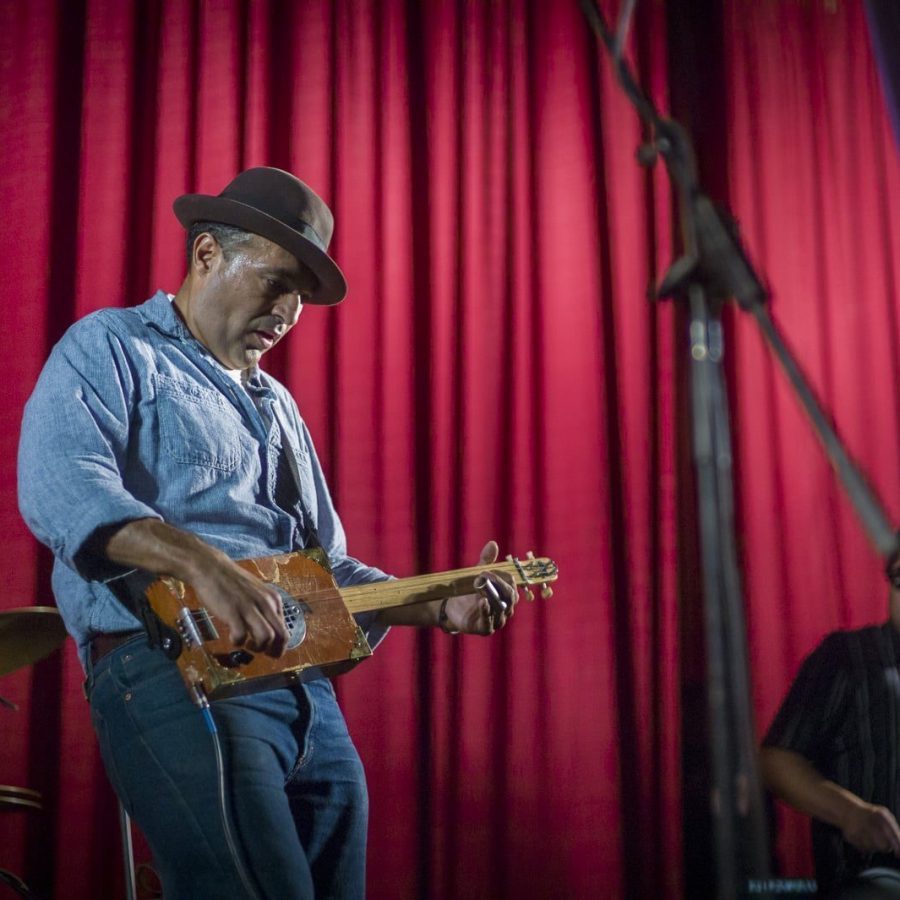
(535, 571)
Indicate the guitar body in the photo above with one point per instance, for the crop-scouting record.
(323, 633)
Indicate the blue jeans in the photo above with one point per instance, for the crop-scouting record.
(294, 783)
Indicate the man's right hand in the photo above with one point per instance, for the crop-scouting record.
(871, 829)
(250, 608)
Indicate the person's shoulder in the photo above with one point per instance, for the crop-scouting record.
(107, 334)
(833, 647)
(119, 320)
(853, 646)
(844, 637)
(849, 636)
(874, 644)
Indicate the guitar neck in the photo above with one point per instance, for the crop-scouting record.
(405, 591)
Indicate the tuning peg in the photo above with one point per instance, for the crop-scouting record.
(530, 554)
(546, 592)
(528, 594)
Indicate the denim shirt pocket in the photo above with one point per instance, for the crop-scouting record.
(198, 426)
(307, 484)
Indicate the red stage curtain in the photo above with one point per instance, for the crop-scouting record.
(495, 372)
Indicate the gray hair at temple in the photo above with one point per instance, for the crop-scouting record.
(228, 237)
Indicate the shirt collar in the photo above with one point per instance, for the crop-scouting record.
(159, 311)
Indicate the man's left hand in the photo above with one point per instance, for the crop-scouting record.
(490, 608)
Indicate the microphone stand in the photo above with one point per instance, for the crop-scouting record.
(712, 268)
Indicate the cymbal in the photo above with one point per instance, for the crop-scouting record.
(27, 635)
(16, 798)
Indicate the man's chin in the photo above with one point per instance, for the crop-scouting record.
(250, 358)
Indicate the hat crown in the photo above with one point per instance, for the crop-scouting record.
(285, 197)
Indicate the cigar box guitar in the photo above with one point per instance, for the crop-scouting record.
(323, 636)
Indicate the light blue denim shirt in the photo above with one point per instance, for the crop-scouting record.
(133, 418)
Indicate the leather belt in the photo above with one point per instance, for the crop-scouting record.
(102, 644)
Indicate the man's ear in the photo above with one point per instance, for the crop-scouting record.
(205, 254)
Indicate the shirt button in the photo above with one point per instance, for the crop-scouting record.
(127, 695)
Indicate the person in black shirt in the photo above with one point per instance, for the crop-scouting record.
(833, 752)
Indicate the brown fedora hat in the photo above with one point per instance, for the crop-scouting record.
(275, 205)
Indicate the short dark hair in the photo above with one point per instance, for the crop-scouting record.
(227, 237)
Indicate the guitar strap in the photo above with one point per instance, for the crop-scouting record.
(289, 490)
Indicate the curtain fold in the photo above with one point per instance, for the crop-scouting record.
(495, 372)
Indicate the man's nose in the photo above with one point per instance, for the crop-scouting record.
(288, 307)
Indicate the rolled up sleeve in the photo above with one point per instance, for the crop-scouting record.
(815, 704)
(73, 447)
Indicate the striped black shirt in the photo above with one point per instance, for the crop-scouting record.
(843, 714)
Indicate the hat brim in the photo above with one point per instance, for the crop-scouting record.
(332, 287)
